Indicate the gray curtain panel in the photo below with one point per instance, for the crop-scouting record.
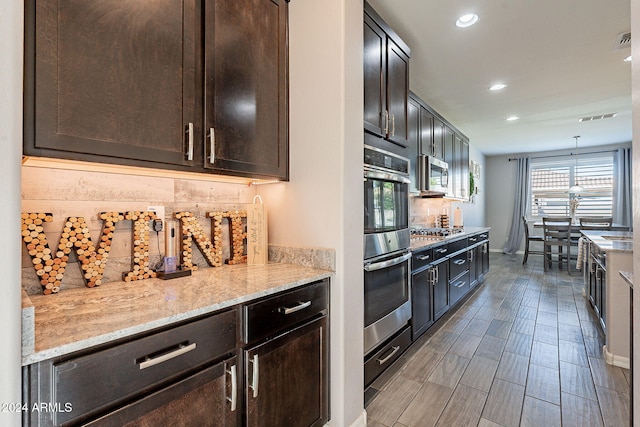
(516, 232)
(622, 196)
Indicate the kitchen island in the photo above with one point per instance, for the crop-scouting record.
(609, 253)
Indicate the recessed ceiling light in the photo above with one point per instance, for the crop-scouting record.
(512, 118)
(627, 59)
(467, 20)
(498, 86)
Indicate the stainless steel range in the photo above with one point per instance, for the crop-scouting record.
(433, 233)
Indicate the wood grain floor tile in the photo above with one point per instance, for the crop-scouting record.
(427, 406)
(537, 413)
(477, 327)
(464, 407)
(465, 345)
(577, 380)
(499, 328)
(589, 329)
(569, 317)
(479, 373)
(519, 344)
(528, 312)
(546, 334)
(593, 346)
(422, 365)
(543, 383)
(609, 376)
(506, 314)
(387, 406)
(513, 368)
(491, 347)
(442, 341)
(457, 324)
(524, 326)
(546, 318)
(573, 352)
(486, 423)
(545, 354)
(449, 371)
(614, 406)
(578, 411)
(504, 404)
(570, 333)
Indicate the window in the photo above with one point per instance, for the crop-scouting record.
(551, 179)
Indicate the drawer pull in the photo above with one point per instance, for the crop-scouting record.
(459, 284)
(423, 257)
(459, 261)
(190, 141)
(394, 350)
(168, 356)
(442, 251)
(234, 388)
(212, 145)
(256, 372)
(300, 306)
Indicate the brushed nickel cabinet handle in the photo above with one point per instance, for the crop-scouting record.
(423, 257)
(212, 145)
(300, 306)
(459, 284)
(393, 125)
(394, 351)
(256, 373)
(459, 261)
(234, 387)
(190, 141)
(147, 363)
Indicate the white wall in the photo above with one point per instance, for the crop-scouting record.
(501, 182)
(322, 204)
(474, 214)
(11, 18)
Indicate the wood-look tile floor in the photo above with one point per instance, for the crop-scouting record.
(523, 350)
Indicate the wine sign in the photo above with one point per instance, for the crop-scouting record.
(50, 262)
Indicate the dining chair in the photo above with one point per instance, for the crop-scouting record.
(557, 235)
(596, 223)
(529, 239)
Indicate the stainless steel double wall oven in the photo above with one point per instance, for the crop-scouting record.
(387, 255)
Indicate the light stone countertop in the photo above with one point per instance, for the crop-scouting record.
(611, 241)
(76, 319)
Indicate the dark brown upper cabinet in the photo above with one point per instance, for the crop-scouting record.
(386, 80)
(144, 83)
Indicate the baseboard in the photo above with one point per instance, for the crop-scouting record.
(361, 421)
(612, 359)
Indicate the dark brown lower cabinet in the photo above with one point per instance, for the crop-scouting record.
(208, 398)
(287, 379)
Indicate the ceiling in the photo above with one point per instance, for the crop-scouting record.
(557, 58)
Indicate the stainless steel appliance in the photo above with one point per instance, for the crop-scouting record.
(434, 176)
(387, 258)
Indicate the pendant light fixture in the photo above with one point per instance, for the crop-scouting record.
(576, 189)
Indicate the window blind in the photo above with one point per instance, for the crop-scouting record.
(551, 179)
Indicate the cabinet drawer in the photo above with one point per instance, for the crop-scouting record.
(97, 381)
(458, 245)
(383, 358)
(441, 252)
(458, 265)
(420, 259)
(267, 318)
(476, 238)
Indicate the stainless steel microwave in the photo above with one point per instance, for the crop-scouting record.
(434, 176)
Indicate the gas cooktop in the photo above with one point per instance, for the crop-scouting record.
(433, 233)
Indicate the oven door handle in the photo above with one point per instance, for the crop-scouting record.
(387, 176)
(389, 263)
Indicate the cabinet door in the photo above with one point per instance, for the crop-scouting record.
(462, 149)
(427, 142)
(397, 92)
(110, 80)
(287, 379)
(440, 290)
(208, 398)
(474, 272)
(485, 258)
(450, 157)
(413, 143)
(421, 306)
(375, 82)
(438, 139)
(246, 79)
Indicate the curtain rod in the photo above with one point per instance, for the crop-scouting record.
(565, 155)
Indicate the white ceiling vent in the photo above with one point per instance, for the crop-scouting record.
(599, 117)
(623, 41)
